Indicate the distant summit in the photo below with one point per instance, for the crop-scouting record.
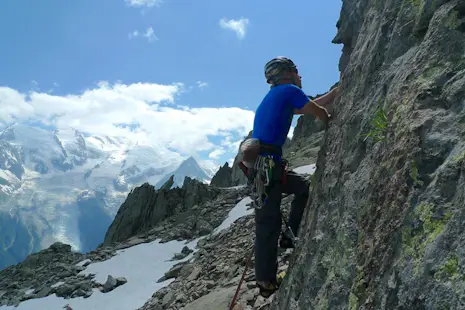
(188, 168)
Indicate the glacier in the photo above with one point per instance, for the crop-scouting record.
(64, 185)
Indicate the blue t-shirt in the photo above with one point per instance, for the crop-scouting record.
(274, 115)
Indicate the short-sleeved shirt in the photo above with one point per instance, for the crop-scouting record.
(273, 116)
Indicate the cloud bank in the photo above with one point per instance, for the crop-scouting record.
(143, 112)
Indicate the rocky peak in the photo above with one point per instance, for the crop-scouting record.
(223, 178)
(188, 168)
(146, 206)
(168, 184)
(226, 177)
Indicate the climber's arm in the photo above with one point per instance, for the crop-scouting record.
(311, 107)
(327, 98)
(302, 104)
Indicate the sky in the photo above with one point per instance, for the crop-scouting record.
(188, 74)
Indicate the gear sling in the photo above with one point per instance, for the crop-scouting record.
(262, 171)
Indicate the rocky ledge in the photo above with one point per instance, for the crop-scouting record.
(55, 270)
(59, 270)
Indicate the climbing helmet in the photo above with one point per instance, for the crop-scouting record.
(276, 67)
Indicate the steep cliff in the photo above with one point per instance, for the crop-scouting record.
(384, 226)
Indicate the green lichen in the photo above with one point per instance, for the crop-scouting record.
(338, 257)
(450, 270)
(358, 289)
(452, 21)
(312, 181)
(415, 241)
(322, 304)
(459, 158)
(337, 260)
(353, 301)
(431, 72)
(414, 173)
(401, 110)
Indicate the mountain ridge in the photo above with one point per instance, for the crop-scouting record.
(44, 173)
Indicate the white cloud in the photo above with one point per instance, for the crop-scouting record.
(151, 106)
(239, 26)
(143, 3)
(149, 34)
(201, 84)
(217, 153)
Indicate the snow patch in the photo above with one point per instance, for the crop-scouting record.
(8, 176)
(29, 291)
(80, 264)
(308, 169)
(240, 210)
(142, 265)
(58, 284)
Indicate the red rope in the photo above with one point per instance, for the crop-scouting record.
(233, 303)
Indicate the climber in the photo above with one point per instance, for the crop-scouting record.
(272, 122)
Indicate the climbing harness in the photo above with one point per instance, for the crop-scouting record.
(233, 302)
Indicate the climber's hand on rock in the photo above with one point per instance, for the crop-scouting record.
(324, 116)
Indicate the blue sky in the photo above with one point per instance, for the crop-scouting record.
(61, 49)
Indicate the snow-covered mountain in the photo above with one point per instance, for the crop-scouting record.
(188, 168)
(63, 185)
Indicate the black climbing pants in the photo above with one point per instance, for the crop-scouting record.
(268, 223)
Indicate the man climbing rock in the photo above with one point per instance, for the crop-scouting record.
(272, 122)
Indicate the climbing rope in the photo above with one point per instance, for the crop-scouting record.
(233, 302)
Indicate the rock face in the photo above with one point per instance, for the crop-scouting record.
(44, 274)
(223, 178)
(237, 176)
(384, 229)
(145, 207)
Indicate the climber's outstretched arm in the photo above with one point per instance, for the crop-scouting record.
(313, 108)
(327, 98)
